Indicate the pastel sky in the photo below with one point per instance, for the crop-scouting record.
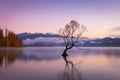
(102, 17)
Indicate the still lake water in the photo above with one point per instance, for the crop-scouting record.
(46, 63)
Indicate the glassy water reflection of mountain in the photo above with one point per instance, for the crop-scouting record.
(46, 63)
(9, 55)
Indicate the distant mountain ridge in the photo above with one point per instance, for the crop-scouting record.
(25, 35)
(50, 39)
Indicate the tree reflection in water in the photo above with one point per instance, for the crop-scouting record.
(8, 57)
(70, 72)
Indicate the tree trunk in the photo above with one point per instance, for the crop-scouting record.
(65, 52)
(67, 48)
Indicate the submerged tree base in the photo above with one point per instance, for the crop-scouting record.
(65, 52)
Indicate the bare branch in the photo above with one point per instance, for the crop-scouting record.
(71, 33)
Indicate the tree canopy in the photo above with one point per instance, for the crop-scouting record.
(9, 39)
(71, 33)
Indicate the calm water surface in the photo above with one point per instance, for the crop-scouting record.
(46, 63)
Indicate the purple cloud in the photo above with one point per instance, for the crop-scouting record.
(115, 29)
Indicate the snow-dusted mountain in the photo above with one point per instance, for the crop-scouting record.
(24, 36)
(50, 39)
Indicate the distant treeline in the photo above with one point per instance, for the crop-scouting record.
(9, 39)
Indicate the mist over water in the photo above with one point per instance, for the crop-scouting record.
(46, 63)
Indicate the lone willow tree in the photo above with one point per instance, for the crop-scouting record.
(71, 34)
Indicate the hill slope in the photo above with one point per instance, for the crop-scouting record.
(49, 39)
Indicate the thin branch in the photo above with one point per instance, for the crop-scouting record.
(71, 33)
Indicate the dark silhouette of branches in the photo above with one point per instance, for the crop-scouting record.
(71, 33)
(1, 37)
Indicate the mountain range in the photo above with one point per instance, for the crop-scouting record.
(50, 39)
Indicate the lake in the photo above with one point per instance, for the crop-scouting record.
(46, 63)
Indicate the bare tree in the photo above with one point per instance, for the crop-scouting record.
(71, 34)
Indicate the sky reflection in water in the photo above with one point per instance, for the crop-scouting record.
(45, 63)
